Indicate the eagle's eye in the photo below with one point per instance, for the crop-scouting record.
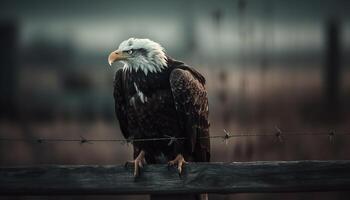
(129, 52)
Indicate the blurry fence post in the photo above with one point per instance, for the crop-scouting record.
(332, 67)
(8, 54)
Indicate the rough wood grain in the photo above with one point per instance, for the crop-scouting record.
(237, 177)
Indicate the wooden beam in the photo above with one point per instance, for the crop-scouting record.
(236, 177)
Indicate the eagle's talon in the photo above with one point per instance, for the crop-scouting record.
(179, 161)
(138, 163)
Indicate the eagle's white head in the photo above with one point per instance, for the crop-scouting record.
(140, 54)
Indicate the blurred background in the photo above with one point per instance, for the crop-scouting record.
(267, 63)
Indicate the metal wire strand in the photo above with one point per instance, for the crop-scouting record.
(279, 134)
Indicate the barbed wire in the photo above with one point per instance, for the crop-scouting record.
(278, 134)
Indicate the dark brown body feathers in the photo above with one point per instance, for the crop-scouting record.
(168, 103)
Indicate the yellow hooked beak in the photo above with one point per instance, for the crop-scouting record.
(115, 56)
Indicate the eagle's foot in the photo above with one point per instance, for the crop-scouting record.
(179, 161)
(138, 163)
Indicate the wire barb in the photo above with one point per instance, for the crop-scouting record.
(84, 140)
(278, 134)
(226, 137)
(40, 140)
(129, 140)
(172, 139)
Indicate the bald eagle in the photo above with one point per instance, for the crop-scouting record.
(156, 97)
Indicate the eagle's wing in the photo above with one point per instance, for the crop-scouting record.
(191, 102)
(120, 102)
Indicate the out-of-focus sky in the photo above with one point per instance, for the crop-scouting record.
(284, 29)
